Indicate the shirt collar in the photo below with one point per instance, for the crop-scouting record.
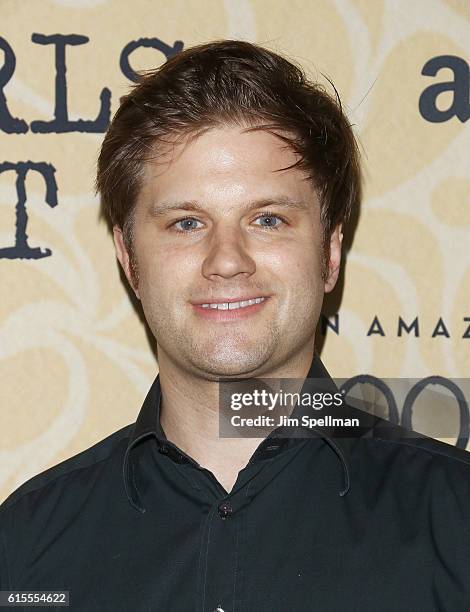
(318, 379)
(148, 425)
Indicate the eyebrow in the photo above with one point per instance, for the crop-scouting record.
(161, 209)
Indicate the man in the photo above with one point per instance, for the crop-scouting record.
(227, 178)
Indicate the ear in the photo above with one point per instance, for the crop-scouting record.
(335, 258)
(123, 255)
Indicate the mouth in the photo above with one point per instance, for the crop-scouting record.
(231, 308)
(233, 304)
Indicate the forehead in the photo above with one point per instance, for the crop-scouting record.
(225, 161)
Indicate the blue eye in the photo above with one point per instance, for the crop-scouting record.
(188, 224)
(270, 216)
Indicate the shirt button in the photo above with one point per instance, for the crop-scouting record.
(163, 450)
(225, 509)
(219, 609)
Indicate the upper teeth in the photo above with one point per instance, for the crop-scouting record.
(234, 305)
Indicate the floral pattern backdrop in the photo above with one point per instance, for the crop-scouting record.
(75, 359)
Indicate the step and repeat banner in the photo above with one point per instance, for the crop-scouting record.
(75, 358)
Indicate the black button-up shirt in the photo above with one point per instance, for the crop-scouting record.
(375, 523)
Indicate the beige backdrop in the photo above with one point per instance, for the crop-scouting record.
(75, 360)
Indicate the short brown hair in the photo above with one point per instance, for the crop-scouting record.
(229, 82)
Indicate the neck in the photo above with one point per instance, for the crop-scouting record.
(189, 416)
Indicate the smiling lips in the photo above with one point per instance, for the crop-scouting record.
(230, 309)
(233, 305)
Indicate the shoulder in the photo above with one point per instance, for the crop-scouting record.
(109, 450)
(411, 460)
(394, 436)
(387, 440)
(65, 495)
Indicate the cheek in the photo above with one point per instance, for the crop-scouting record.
(300, 276)
(294, 265)
(152, 276)
(165, 278)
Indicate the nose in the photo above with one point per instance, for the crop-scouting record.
(227, 254)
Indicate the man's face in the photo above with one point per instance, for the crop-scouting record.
(215, 222)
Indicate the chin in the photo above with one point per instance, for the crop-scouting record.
(232, 365)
